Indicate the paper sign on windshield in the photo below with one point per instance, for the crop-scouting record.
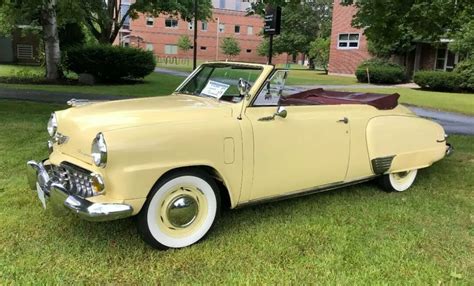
(215, 89)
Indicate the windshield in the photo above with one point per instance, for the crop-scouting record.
(221, 81)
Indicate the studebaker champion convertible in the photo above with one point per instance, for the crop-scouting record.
(230, 135)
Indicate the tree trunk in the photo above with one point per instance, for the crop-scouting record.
(51, 40)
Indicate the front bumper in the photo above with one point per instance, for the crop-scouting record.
(54, 194)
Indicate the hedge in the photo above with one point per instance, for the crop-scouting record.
(466, 70)
(111, 63)
(438, 80)
(381, 71)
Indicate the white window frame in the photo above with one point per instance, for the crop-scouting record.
(24, 52)
(205, 25)
(174, 50)
(249, 30)
(445, 65)
(191, 25)
(149, 19)
(223, 27)
(348, 41)
(171, 27)
(149, 47)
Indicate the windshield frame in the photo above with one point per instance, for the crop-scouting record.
(261, 67)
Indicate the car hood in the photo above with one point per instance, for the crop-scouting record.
(81, 124)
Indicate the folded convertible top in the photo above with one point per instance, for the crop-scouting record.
(320, 96)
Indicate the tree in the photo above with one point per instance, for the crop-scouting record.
(105, 18)
(34, 13)
(302, 22)
(319, 51)
(184, 43)
(464, 40)
(391, 26)
(230, 47)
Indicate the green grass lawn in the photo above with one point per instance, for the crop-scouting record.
(357, 235)
(153, 85)
(457, 102)
(12, 70)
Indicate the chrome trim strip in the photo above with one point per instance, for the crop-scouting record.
(305, 192)
(382, 164)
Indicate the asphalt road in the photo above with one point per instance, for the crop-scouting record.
(453, 123)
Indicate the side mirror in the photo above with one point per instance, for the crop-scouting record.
(244, 87)
(281, 111)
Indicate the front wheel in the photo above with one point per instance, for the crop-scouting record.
(398, 182)
(179, 211)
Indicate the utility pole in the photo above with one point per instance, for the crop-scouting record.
(195, 35)
(217, 39)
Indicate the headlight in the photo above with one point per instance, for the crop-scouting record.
(52, 125)
(99, 151)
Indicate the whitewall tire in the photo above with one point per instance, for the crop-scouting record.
(180, 210)
(398, 182)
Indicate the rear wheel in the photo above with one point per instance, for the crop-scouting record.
(180, 210)
(398, 182)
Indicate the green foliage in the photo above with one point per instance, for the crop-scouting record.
(391, 26)
(71, 35)
(104, 22)
(301, 23)
(230, 46)
(438, 80)
(184, 43)
(466, 70)
(111, 63)
(319, 51)
(464, 40)
(380, 71)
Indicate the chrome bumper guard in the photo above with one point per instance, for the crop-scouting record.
(57, 196)
(449, 149)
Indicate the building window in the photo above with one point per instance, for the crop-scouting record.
(445, 59)
(248, 50)
(221, 28)
(171, 23)
(249, 30)
(123, 10)
(222, 4)
(149, 47)
(203, 26)
(190, 25)
(24, 52)
(348, 41)
(237, 29)
(203, 48)
(150, 21)
(171, 49)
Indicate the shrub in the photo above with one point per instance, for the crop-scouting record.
(111, 63)
(381, 71)
(438, 80)
(466, 70)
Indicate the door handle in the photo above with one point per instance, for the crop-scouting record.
(344, 120)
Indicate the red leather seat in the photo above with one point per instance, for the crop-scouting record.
(320, 96)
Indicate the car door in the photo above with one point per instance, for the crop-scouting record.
(307, 149)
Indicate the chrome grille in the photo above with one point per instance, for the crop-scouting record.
(75, 179)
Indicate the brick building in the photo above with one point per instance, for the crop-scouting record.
(349, 48)
(22, 47)
(229, 19)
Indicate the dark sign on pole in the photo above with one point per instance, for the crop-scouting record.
(272, 21)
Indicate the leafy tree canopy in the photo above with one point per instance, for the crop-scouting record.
(302, 22)
(319, 51)
(230, 47)
(184, 43)
(392, 26)
(105, 18)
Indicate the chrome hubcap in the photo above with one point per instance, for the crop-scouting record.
(182, 211)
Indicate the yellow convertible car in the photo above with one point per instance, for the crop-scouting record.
(231, 135)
